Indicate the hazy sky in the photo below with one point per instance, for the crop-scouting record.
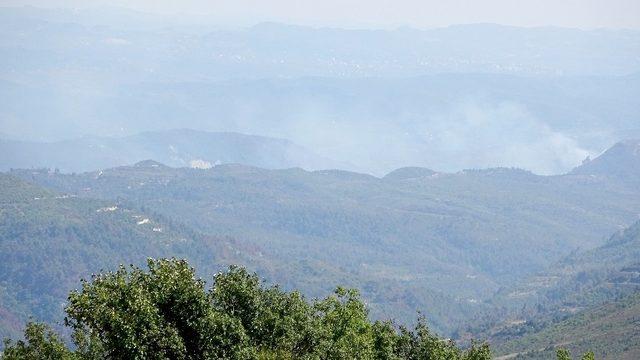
(385, 13)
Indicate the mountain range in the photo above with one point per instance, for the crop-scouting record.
(283, 50)
(414, 240)
(468, 96)
(447, 122)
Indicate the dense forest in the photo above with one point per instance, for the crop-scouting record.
(48, 241)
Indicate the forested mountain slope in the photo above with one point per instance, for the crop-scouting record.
(50, 240)
(581, 281)
(611, 331)
(415, 239)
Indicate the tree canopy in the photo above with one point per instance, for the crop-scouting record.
(166, 312)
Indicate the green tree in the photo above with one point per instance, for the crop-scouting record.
(588, 356)
(162, 314)
(345, 331)
(276, 322)
(385, 341)
(40, 343)
(166, 312)
(563, 354)
(429, 346)
(88, 345)
(477, 351)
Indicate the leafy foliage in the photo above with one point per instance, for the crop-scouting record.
(40, 343)
(167, 313)
(564, 354)
(162, 314)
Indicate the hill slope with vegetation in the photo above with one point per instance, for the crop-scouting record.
(594, 285)
(622, 161)
(415, 240)
(49, 240)
(611, 331)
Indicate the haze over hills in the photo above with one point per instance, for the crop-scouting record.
(178, 148)
(469, 96)
(280, 50)
(444, 122)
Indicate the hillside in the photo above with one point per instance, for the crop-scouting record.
(50, 240)
(581, 283)
(610, 331)
(444, 242)
(179, 148)
(622, 161)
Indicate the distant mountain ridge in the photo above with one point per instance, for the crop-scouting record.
(621, 160)
(354, 52)
(176, 148)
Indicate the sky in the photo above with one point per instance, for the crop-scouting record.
(586, 14)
